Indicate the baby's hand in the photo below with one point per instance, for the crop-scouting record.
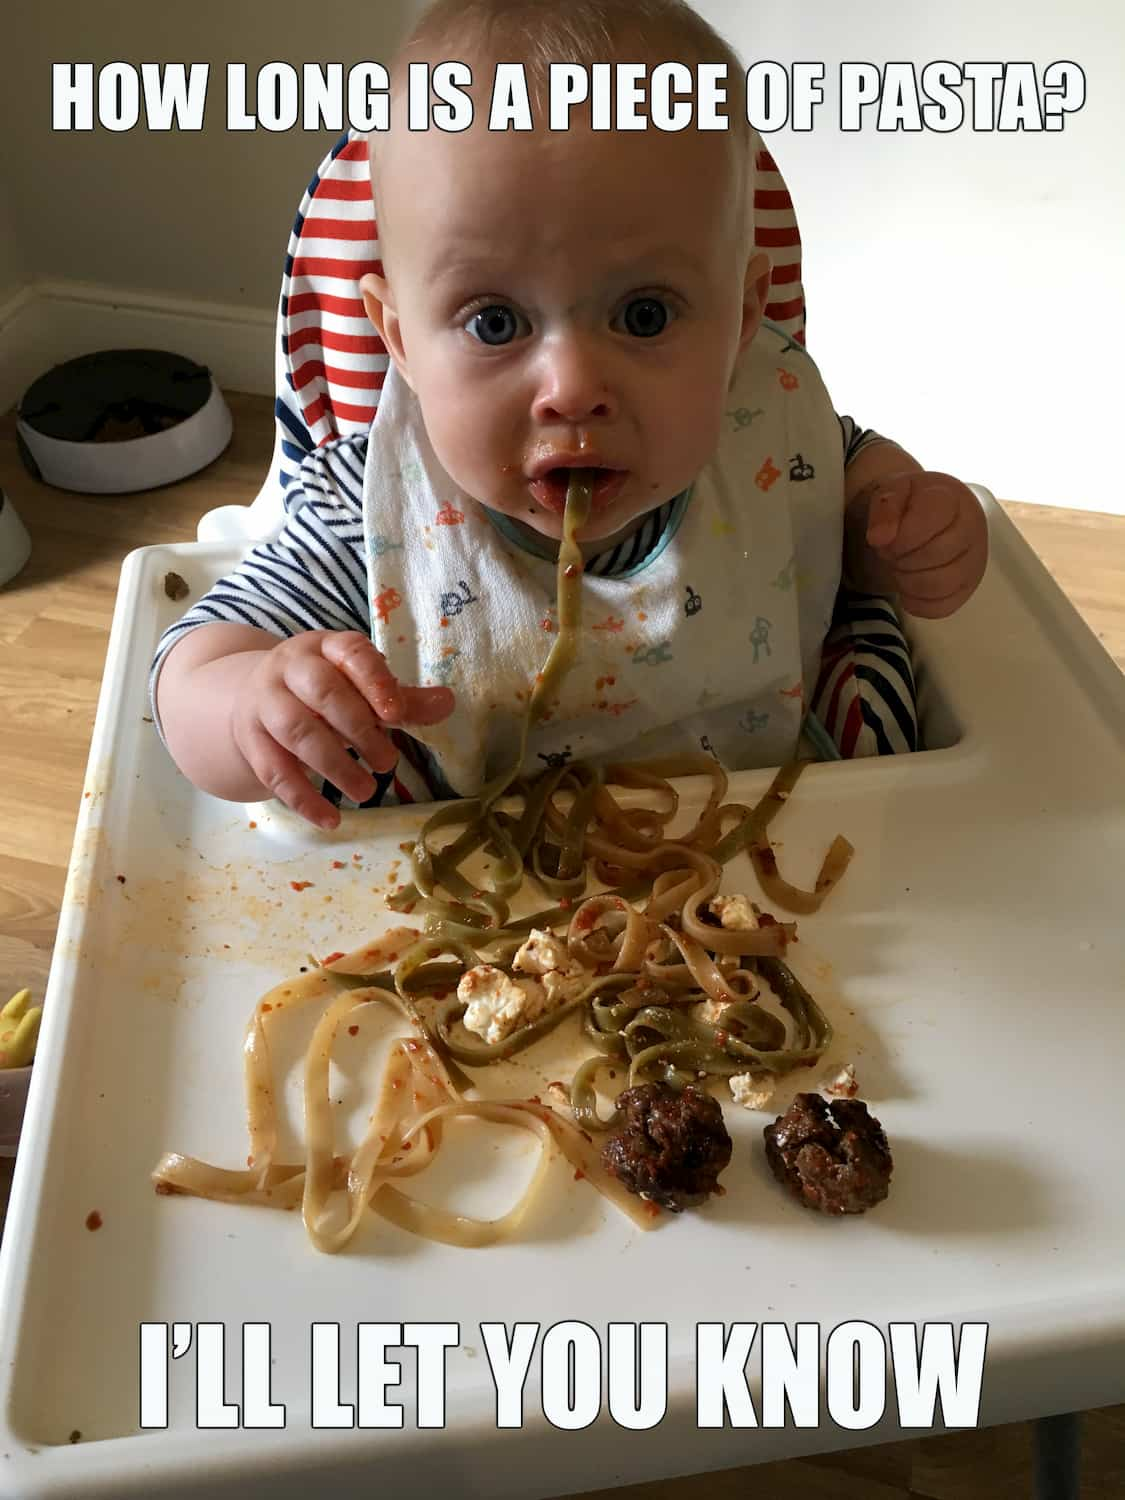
(930, 534)
(312, 697)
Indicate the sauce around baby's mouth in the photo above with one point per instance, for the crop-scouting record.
(550, 490)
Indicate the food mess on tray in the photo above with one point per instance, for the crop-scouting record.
(665, 974)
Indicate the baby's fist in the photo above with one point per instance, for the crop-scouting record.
(930, 535)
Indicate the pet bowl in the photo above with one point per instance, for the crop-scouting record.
(122, 420)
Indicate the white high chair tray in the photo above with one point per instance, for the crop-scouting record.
(973, 960)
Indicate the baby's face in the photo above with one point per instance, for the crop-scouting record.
(561, 301)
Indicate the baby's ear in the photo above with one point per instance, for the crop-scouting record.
(755, 294)
(379, 305)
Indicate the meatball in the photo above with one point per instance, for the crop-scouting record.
(833, 1157)
(672, 1146)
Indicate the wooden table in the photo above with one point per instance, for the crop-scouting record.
(54, 629)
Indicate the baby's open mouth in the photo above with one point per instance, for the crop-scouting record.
(550, 488)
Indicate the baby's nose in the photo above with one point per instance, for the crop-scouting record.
(573, 383)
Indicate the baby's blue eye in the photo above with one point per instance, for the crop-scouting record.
(645, 317)
(493, 325)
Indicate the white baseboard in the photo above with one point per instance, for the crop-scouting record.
(48, 322)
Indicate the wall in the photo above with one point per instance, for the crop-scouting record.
(964, 290)
(196, 215)
(12, 273)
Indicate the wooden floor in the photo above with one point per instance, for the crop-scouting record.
(54, 625)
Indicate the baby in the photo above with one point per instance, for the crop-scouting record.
(551, 301)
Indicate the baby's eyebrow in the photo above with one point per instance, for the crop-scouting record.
(650, 263)
(462, 268)
(483, 272)
(657, 258)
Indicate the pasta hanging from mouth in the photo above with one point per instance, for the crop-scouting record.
(637, 974)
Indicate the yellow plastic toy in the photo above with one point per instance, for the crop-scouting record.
(19, 1031)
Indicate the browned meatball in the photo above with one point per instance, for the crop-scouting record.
(672, 1146)
(833, 1157)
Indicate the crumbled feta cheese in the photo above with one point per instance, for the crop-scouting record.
(735, 912)
(562, 988)
(495, 1004)
(841, 1083)
(542, 953)
(546, 956)
(752, 1090)
(708, 1011)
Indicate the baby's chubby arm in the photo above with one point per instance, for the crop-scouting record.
(243, 713)
(920, 535)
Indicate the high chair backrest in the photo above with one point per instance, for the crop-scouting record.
(330, 362)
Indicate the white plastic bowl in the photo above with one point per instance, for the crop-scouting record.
(15, 544)
(143, 463)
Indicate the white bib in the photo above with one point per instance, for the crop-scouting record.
(713, 642)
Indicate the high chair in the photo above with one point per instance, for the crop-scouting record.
(972, 963)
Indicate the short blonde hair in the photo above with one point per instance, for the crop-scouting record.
(538, 33)
(542, 32)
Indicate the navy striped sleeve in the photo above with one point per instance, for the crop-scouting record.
(856, 438)
(311, 576)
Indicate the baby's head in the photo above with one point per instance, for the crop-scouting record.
(566, 299)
